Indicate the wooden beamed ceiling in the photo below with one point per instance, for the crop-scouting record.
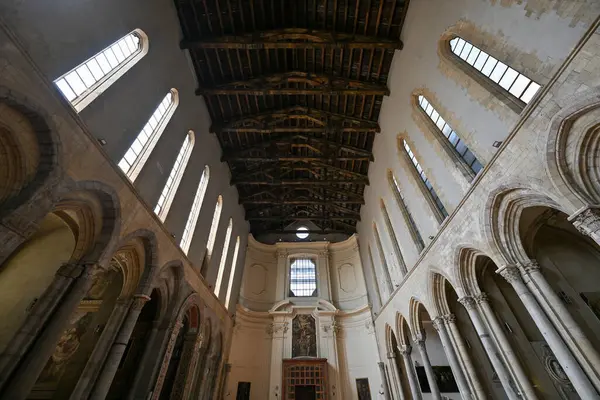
(294, 89)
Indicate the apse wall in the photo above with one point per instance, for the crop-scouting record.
(60, 35)
(345, 330)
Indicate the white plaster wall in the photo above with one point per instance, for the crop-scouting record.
(543, 31)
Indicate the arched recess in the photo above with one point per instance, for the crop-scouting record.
(572, 149)
(30, 168)
(213, 367)
(403, 330)
(502, 212)
(79, 230)
(181, 362)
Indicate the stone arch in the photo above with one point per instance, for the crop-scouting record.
(468, 269)
(572, 149)
(502, 213)
(140, 246)
(403, 330)
(414, 322)
(169, 282)
(31, 162)
(388, 338)
(438, 293)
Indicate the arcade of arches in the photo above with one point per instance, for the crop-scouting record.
(313, 199)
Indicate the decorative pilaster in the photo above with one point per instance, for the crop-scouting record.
(277, 330)
(566, 359)
(409, 367)
(459, 374)
(166, 360)
(435, 391)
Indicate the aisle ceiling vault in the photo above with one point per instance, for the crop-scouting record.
(294, 89)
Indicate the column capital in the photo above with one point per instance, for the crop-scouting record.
(449, 318)
(587, 220)
(391, 355)
(139, 300)
(438, 323)
(405, 349)
(481, 298)
(468, 302)
(510, 273)
(529, 266)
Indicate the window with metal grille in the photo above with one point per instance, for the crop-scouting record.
(168, 192)
(88, 80)
(139, 151)
(190, 225)
(303, 277)
(428, 185)
(501, 74)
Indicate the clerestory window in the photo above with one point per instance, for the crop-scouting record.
(136, 156)
(168, 193)
(303, 277)
(223, 258)
(408, 218)
(212, 234)
(190, 225)
(88, 80)
(450, 134)
(433, 195)
(501, 74)
(232, 273)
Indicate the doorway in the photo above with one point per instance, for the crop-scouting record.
(305, 392)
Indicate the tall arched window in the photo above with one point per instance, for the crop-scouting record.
(168, 192)
(137, 155)
(432, 197)
(303, 277)
(390, 229)
(190, 225)
(223, 258)
(515, 83)
(212, 235)
(232, 273)
(408, 218)
(88, 80)
(384, 264)
(375, 281)
(459, 147)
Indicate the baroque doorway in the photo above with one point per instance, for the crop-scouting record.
(305, 379)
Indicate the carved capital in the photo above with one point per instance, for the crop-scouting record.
(530, 267)
(588, 221)
(405, 350)
(450, 318)
(438, 323)
(391, 355)
(282, 253)
(468, 302)
(139, 300)
(510, 273)
(481, 298)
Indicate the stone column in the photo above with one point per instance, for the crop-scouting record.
(118, 348)
(562, 319)
(464, 358)
(415, 390)
(490, 348)
(384, 381)
(160, 380)
(587, 221)
(277, 330)
(571, 367)
(147, 364)
(192, 370)
(26, 374)
(396, 374)
(224, 381)
(435, 391)
(457, 371)
(94, 365)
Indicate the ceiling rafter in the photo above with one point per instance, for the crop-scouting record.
(316, 121)
(303, 182)
(287, 84)
(292, 38)
(281, 158)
